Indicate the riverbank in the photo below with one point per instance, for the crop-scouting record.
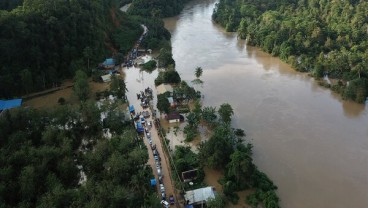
(297, 127)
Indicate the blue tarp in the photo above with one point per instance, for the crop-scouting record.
(109, 62)
(189, 206)
(153, 182)
(7, 104)
(131, 108)
(140, 128)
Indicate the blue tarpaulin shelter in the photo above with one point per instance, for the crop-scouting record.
(109, 62)
(131, 108)
(7, 104)
(153, 182)
(140, 128)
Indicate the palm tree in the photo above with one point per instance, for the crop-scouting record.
(198, 72)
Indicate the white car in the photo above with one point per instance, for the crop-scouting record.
(162, 188)
(165, 203)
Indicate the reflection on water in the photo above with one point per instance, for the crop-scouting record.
(310, 142)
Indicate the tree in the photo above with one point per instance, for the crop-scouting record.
(226, 111)
(81, 86)
(118, 87)
(27, 82)
(87, 53)
(163, 104)
(239, 166)
(198, 72)
(217, 202)
(209, 115)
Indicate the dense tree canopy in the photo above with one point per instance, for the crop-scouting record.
(45, 154)
(43, 42)
(156, 8)
(320, 37)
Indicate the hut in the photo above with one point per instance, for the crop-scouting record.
(108, 63)
(199, 196)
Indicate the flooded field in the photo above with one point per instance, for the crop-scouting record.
(51, 99)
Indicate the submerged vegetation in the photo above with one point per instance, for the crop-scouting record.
(319, 37)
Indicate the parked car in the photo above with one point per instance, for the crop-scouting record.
(162, 188)
(163, 196)
(165, 203)
(171, 199)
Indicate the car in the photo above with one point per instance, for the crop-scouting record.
(156, 157)
(171, 200)
(161, 179)
(148, 135)
(165, 203)
(150, 141)
(163, 196)
(149, 123)
(162, 188)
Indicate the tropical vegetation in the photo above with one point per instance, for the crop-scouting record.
(320, 37)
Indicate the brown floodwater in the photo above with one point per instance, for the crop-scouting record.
(311, 143)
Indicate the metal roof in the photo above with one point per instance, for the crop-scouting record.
(199, 195)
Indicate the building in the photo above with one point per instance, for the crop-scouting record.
(163, 88)
(199, 196)
(106, 78)
(173, 117)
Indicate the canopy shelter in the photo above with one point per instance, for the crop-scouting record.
(8, 104)
(153, 182)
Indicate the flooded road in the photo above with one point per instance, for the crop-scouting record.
(312, 144)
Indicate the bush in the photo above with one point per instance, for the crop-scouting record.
(61, 101)
(150, 65)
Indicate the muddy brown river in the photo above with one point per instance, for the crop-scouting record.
(311, 143)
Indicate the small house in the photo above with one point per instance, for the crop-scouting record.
(106, 78)
(173, 117)
(199, 196)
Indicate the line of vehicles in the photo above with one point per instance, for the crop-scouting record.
(157, 158)
(143, 126)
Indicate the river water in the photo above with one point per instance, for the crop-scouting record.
(312, 144)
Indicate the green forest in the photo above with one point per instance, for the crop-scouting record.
(156, 8)
(324, 37)
(44, 42)
(44, 155)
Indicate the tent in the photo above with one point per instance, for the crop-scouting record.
(131, 109)
(108, 63)
(8, 104)
(153, 182)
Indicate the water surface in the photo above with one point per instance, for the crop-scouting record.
(312, 144)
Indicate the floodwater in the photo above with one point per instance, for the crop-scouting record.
(311, 143)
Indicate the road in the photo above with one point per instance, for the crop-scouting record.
(165, 166)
